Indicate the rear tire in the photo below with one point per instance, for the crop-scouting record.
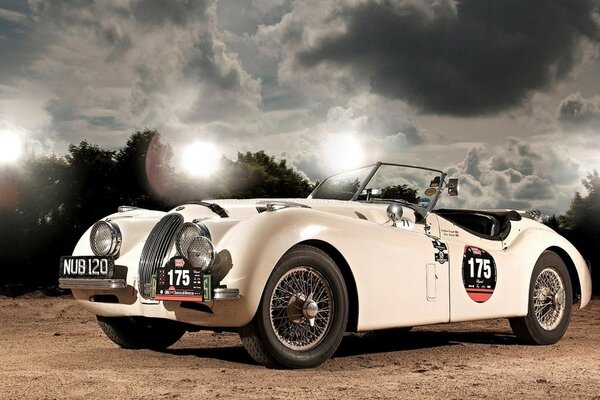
(550, 303)
(141, 333)
(302, 314)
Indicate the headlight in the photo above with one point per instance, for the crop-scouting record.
(105, 239)
(193, 243)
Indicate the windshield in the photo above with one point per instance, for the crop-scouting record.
(414, 186)
(343, 186)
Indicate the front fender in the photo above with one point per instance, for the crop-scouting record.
(256, 245)
(378, 257)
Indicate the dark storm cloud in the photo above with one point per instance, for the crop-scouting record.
(115, 39)
(533, 187)
(14, 44)
(500, 185)
(413, 136)
(499, 163)
(465, 58)
(516, 205)
(244, 17)
(525, 151)
(158, 12)
(514, 176)
(111, 65)
(471, 164)
(105, 122)
(578, 111)
(202, 65)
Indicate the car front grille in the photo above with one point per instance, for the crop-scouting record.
(157, 248)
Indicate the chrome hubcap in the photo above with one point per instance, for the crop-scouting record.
(301, 308)
(549, 299)
(310, 310)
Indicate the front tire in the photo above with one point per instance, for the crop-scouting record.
(302, 314)
(141, 333)
(550, 303)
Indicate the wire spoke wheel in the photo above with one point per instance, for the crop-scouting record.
(550, 302)
(301, 308)
(549, 299)
(303, 311)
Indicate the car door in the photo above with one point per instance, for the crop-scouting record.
(425, 273)
(480, 274)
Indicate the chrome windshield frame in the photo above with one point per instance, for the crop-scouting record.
(375, 167)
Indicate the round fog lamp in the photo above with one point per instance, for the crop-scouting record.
(201, 253)
(186, 235)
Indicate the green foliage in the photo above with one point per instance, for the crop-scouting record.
(400, 192)
(581, 224)
(143, 159)
(33, 218)
(257, 175)
(90, 188)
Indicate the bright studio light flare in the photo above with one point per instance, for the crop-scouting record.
(11, 147)
(343, 152)
(200, 159)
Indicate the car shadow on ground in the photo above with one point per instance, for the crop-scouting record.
(401, 340)
(233, 354)
(368, 343)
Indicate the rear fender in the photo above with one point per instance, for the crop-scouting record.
(530, 244)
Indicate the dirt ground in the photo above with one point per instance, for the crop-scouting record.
(52, 348)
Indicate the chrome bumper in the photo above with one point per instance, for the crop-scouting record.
(226, 294)
(65, 283)
(221, 294)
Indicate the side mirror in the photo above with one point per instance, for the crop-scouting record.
(394, 212)
(453, 187)
(370, 193)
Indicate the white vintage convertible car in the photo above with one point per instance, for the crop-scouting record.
(367, 250)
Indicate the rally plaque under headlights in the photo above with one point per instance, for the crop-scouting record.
(179, 280)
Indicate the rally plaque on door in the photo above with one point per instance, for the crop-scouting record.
(479, 274)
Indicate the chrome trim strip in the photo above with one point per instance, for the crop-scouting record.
(68, 283)
(274, 205)
(226, 294)
(127, 208)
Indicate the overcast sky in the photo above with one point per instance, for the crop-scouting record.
(504, 94)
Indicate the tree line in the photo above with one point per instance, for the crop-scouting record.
(581, 225)
(49, 202)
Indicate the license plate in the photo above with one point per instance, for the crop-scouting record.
(178, 280)
(87, 267)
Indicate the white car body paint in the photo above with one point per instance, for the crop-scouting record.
(398, 281)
